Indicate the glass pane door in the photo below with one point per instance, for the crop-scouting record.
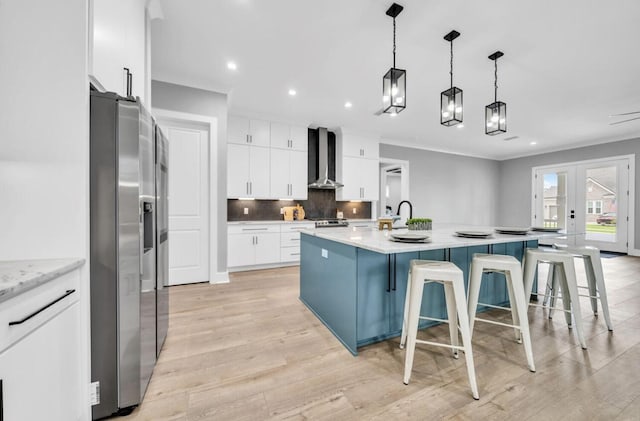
(602, 204)
(554, 199)
(589, 201)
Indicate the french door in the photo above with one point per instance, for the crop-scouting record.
(589, 200)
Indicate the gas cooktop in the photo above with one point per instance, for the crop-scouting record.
(330, 222)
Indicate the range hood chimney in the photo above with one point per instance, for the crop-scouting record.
(323, 181)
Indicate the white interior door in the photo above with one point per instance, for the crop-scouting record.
(188, 202)
(589, 200)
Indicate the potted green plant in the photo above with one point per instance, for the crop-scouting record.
(419, 224)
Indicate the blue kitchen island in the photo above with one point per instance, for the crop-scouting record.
(354, 279)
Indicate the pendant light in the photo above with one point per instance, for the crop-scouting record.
(394, 83)
(496, 113)
(451, 99)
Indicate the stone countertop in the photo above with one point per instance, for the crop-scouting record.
(18, 276)
(441, 237)
(280, 221)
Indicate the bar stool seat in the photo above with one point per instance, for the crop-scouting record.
(561, 263)
(512, 270)
(595, 279)
(451, 277)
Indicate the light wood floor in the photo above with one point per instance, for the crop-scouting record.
(250, 350)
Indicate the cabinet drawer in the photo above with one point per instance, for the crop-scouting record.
(252, 228)
(290, 239)
(26, 312)
(290, 254)
(297, 227)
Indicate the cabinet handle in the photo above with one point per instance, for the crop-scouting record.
(254, 229)
(256, 239)
(250, 138)
(246, 188)
(35, 313)
(250, 187)
(1, 402)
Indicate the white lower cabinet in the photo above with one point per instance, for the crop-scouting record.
(290, 241)
(264, 245)
(41, 362)
(250, 245)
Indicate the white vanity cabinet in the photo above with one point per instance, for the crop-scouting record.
(40, 361)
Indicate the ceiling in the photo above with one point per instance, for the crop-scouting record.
(567, 66)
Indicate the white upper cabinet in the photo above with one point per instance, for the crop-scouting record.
(247, 171)
(119, 41)
(241, 130)
(358, 168)
(288, 174)
(359, 146)
(284, 136)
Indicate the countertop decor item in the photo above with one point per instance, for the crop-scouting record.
(451, 99)
(419, 224)
(512, 230)
(385, 223)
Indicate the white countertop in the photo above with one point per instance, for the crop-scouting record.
(18, 276)
(280, 221)
(441, 237)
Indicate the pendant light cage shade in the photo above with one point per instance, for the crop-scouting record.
(495, 114)
(451, 108)
(394, 91)
(495, 118)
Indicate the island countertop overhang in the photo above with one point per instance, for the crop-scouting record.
(441, 238)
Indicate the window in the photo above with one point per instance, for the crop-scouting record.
(594, 207)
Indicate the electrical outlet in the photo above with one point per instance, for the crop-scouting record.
(325, 253)
(281, 211)
(355, 211)
(246, 211)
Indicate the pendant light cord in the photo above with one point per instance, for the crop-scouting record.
(451, 64)
(394, 43)
(495, 74)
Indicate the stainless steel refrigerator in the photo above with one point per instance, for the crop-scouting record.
(123, 250)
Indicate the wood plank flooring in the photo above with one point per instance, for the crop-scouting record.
(250, 350)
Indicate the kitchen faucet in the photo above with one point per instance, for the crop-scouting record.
(410, 208)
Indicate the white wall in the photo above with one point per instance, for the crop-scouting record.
(169, 96)
(44, 135)
(449, 188)
(515, 179)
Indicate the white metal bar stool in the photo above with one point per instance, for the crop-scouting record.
(512, 270)
(595, 280)
(562, 263)
(452, 278)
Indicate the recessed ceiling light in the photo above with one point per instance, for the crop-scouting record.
(460, 126)
(231, 65)
(292, 92)
(393, 114)
(533, 143)
(348, 104)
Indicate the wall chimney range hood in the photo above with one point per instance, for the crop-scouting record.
(323, 182)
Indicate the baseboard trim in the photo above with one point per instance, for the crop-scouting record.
(267, 266)
(220, 278)
(634, 252)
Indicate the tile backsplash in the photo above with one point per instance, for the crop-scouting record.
(319, 204)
